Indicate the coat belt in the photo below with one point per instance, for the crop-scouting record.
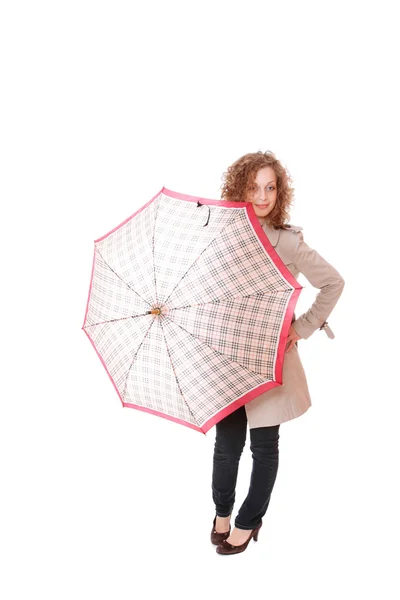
(327, 330)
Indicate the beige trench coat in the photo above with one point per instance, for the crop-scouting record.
(292, 398)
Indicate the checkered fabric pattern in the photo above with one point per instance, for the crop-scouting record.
(222, 302)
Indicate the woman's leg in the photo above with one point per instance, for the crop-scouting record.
(264, 444)
(229, 443)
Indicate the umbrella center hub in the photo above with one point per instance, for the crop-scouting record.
(158, 310)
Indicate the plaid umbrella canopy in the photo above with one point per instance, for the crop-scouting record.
(189, 308)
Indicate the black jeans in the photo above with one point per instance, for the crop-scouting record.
(229, 443)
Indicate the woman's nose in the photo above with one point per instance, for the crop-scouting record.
(261, 196)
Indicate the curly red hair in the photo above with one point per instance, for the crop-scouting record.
(240, 176)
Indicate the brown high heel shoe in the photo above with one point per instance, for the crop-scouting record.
(216, 537)
(226, 548)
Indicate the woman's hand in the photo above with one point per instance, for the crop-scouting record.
(292, 338)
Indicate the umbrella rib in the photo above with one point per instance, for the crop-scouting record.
(227, 298)
(120, 278)
(154, 265)
(176, 377)
(211, 348)
(133, 359)
(114, 320)
(198, 258)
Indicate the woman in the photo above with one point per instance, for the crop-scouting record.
(261, 179)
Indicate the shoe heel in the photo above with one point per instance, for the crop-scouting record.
(256, 534)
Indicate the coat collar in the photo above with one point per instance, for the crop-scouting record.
(272, 234)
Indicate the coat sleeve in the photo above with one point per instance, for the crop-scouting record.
(324, 276)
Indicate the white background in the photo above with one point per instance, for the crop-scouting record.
(102, 104)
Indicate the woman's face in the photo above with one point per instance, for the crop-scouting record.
(263, 193)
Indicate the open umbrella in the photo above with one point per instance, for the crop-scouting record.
(189, 308)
